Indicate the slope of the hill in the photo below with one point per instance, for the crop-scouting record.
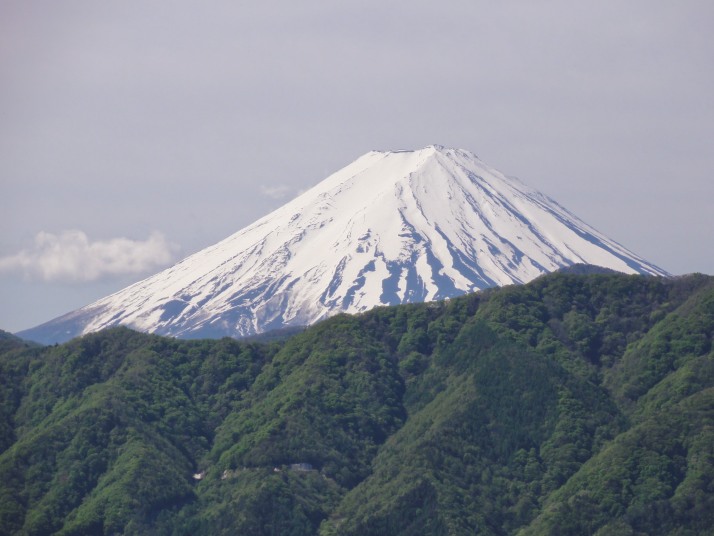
(392, 227)
(8, 341)
(575, 404)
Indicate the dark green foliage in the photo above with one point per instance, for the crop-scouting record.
(576, 404)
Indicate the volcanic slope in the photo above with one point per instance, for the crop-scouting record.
(392, 227)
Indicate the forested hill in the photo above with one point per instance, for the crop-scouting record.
(576, 404)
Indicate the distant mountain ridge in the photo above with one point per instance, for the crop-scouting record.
(392, 227)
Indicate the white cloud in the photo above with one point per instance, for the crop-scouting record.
(71, 256)
(279, 191)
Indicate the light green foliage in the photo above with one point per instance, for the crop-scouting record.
(576, 404)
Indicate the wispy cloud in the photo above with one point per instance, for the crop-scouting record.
(278, 191)
(72, 256)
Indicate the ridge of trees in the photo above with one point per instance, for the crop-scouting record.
(575, 404)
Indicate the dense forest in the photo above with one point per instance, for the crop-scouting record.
(573, 405)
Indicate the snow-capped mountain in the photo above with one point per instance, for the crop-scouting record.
(392, 227)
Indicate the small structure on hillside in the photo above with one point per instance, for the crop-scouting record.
(301, 466)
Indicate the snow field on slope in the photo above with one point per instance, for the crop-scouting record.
(403, 215)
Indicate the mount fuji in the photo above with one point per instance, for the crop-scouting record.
(392, 227)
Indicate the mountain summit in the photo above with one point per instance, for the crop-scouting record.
(392, 227)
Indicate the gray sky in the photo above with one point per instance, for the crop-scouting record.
(134, 133)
